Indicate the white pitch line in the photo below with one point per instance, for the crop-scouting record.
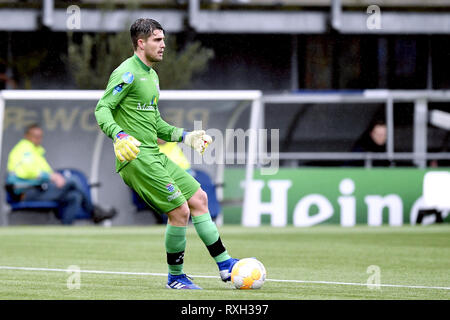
(217, 277)
(361, 284)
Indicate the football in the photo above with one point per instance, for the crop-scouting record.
(248, 273)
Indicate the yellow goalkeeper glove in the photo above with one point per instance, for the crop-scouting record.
(126, 147)
(197, 139)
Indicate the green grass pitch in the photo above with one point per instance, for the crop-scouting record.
(328, 262)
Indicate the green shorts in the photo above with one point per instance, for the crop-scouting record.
(161, 183)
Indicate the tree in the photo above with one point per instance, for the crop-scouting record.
(93, 59)
(178, 68)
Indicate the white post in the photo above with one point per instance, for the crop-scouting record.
(95, 164)
(336, 13)
(420, 132)
(390, 126)
(47, 16)
(2, 116)
(194, 8)
(3, 212)
(252, 153)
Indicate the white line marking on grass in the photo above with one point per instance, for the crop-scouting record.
(217, 277)
(361, 284)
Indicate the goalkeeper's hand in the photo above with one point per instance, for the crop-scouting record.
(126, 147)
(198, 140)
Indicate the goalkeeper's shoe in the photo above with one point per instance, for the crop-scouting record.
(225, 268)
(181, 281)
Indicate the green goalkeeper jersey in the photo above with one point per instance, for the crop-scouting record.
(130, 104)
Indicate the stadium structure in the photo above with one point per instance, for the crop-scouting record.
(287, 91)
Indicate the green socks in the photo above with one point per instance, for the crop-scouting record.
(207, 231)
(175, 242)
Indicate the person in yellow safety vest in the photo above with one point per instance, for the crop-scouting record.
(174, 153)
(32, 179)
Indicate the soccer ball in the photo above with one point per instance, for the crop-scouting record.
(248, 273)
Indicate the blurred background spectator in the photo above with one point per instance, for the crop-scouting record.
(373, 139)
(30, 178)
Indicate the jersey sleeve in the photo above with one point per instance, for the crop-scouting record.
(166, 131)
(118, 86)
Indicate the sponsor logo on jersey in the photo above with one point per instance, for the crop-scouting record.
(174, 196)
(127, 77)
(148, 107)
(154, 101)
(117, 89)
(145, 107)
(170, 187)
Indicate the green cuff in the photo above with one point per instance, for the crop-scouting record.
(176, 231)
(177, 135)
(201, 218)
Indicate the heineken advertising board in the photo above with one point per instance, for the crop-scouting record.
(345, 196)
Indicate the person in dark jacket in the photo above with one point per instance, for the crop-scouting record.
(372, 140)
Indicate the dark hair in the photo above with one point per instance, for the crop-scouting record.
(31, 127)
(376, 122)
(142, 29)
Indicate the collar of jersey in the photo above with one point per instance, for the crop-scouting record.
(143, 65)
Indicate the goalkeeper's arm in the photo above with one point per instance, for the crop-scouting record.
(196, 139)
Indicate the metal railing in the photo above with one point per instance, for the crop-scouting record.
(420, 99)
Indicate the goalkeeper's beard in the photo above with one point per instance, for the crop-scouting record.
(152, 59)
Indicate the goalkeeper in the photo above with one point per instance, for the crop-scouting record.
(129, 114)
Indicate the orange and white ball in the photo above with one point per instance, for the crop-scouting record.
(248, 273)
